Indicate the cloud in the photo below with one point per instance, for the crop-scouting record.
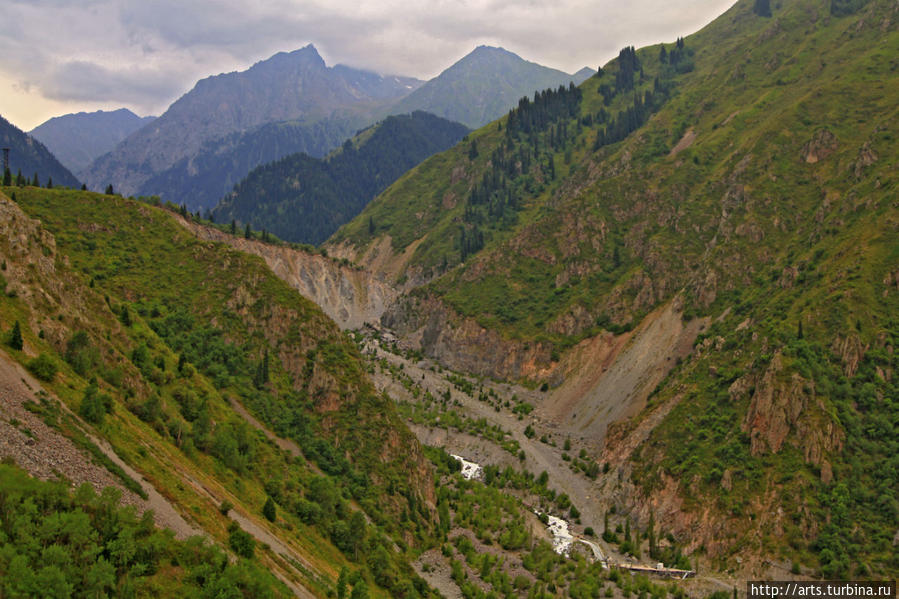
(144, 54)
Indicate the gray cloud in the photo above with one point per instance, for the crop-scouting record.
(144, 54)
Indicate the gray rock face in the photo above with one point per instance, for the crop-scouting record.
(288, 86)
(78, 139)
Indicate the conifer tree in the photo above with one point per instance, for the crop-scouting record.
(247, 232)
(762, 8)
(15, 337)
(7, 177)
(49, 182)
(269, 510)
(109, 190)
(36, 182)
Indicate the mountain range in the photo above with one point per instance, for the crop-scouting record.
(295, 86)
(78, 139)
(228, 124)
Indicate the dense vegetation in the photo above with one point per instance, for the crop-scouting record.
(156, 353)
(59, 543)
(304, 199)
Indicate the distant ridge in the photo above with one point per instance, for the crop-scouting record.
(31, 157)
(78, 139)
(305, 199)
(294, 86)
(483, 86)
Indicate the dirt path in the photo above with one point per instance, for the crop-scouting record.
(285, 444)
(47, 454)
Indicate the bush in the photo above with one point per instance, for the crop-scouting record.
(240, 541)
(43, 367)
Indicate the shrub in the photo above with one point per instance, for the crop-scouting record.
(240, 541)
(43, 367)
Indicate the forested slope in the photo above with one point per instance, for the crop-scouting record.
(746, 174)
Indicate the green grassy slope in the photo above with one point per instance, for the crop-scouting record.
(762, 190)
(171, 330)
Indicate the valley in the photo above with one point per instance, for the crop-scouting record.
(635, 335)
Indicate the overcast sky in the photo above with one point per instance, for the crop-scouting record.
(61, 56)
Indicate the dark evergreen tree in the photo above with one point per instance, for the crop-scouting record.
(84, 187)
(762, 8)
(36, 182)
(247, 232)
(15, 337)
(109, 191)
(20, 180)
(663, 55)
(233, 227)
(7, 177)
(49, 182)
(269, 510)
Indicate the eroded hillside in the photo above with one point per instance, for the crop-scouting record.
(746, 174)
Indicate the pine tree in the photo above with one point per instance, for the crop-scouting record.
(84, 187)
(233, 227)
(109, 190)
(7, 177)
(762, 8)
(36, 182)
(49, 182)
(15, 337)
(20, 180)
(247, 232)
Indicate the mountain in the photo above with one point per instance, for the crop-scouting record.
(295, 86)
(582, 75)
(78, 139)
(200, 181)
(694, 255)
(206, 395)
(304, 199)
(31, 157)
(483, 86)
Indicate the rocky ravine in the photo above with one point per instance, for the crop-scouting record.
(350, 297)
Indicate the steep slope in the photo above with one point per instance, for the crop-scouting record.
(200, 181)
(78, 139)
(483, 86)
(302, 199)
(288, 86)
(746, 174)
(30, 157)
(153, 355)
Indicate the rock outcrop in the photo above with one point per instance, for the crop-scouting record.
(349, 296)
